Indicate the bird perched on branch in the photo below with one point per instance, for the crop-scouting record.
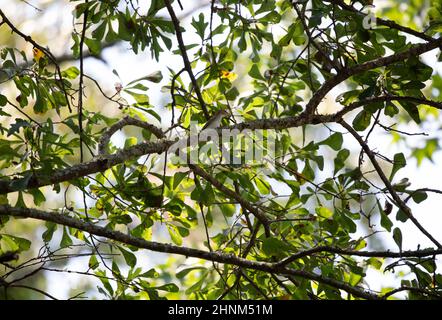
(203, 136)
(215, 120)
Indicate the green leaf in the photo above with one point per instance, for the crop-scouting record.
(93, 262)
(93, 45)
(50, 229)
(7, 244)
(375, 263)
(20, 201)
(131, 141)
(401, 216)
(155, 6)
(138, 86)
(242, 43)
(263, 186)
(142, 99)
(15, 127)
(175, 235)
(3, 201)
(98, 33)
(22, 243)
(196, 194)
(38, 196)
(169, 287)
(362, 121)
(175, 206)
(155, 77)
(123, 31)
(208, 196)
(295, 33)
(181, 274)
(151, 273)
(273, 17)
(232, 94)
(397, 236)
(334, 141)
(340, 159)
(398, 163)
(197, 285)
(419, 196)
(385, 221)
(254, 73)
(129, 257)
(105, 281)
(299, 35)
(347, 222)
(71, 73)
(274, 247)
(66, 240)
(3, 100)
(324, 212)
(412, 110)
(391, 110)
(308, 172)
(227, 209)
(200, 26)
(285, 40)
(178, 178)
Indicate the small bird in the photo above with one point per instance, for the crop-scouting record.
(202, 137)
(215, 120)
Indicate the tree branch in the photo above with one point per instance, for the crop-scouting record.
(418, 290)
(91, 228)
(40, 179)
(185, 57)
(98, 164)
(399, 202)
(233, 195)
(127, 121)
(346, 73)
(375, 254)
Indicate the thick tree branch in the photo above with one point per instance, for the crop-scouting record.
(385, 98)
(375, 254)
(91, 228)
(105, 162)
(307, 117)
(346, 73)
(412, 289)
(98, 164)
(127, 121)
(101, 163)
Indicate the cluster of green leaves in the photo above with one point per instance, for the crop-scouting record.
(113, 24)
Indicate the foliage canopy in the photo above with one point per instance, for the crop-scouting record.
(324, 80)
